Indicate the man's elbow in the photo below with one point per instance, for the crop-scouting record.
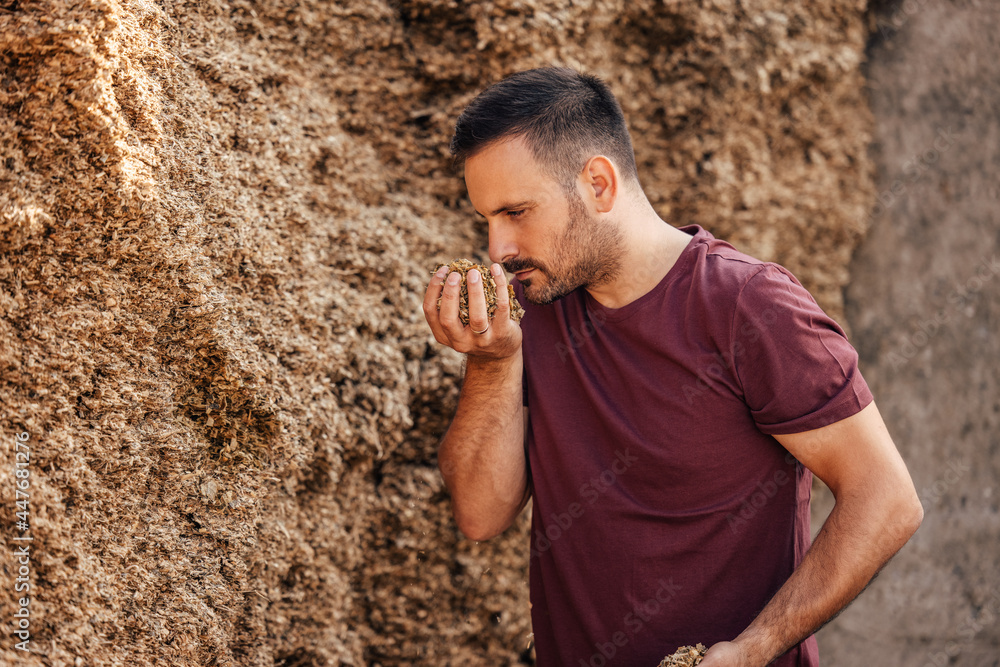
(479, 535)
(907, 513)
(481, 526)
(913, 512)
(477, 529)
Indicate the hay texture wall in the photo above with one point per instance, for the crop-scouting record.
(216, 224)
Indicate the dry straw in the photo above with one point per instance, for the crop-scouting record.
(462, 267)
(685, 656)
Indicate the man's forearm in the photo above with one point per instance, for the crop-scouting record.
(853, 545)
(482, 455)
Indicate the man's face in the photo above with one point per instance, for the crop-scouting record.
(546, 237)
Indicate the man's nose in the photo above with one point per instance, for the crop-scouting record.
(502, 245)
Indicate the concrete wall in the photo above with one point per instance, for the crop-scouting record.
(924, 309)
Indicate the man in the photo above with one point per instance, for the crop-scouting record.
(665, 402)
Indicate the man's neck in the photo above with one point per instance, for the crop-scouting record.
(652, 247)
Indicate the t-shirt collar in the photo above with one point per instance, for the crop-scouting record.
(678, 269)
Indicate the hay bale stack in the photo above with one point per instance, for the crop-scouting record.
(215, 223)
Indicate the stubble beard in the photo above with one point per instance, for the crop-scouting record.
(588, 254)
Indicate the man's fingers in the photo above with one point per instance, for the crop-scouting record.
(433, 292)
(430, 305)
(503, 297)
(449, 305)
(478, 318)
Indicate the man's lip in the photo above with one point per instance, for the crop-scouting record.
(521, 274)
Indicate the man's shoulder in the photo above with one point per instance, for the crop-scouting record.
(719, 270)
(723, 288)
(720, 256)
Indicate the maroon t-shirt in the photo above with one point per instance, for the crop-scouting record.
(664, 512)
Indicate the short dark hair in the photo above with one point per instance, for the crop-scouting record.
(565, 116)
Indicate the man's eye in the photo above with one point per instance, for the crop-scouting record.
(515, 214)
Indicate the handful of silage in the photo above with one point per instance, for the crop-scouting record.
(462, 266)
(685, 656)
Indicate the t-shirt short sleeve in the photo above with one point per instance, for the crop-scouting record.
(796, 367)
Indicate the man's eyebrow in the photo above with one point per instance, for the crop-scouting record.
(527, 203)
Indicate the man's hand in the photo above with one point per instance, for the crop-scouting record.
(500, 339)
(725, 654)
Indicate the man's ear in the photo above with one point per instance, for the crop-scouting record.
(600, 178)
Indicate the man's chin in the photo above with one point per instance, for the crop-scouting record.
(540, 294)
